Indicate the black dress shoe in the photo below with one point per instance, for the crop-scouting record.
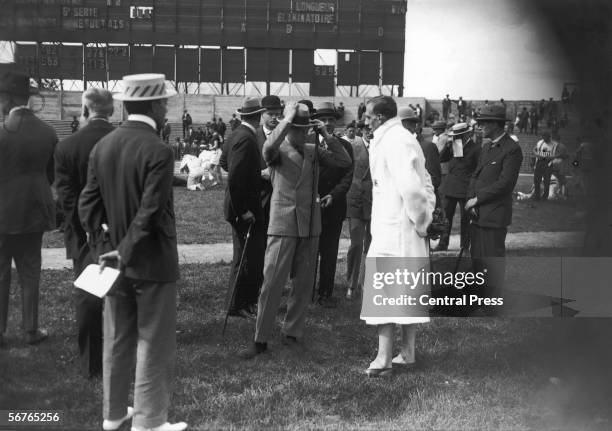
(328, 302)
(289, 340)
(37, 336)
(242, 312)
(441, 247)
(253, 350)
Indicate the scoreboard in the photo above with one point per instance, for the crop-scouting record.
(295, 24)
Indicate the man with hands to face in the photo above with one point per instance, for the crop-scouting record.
(295, 223)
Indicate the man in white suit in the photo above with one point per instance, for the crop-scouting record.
(402, 207)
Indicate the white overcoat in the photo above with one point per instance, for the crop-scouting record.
(403, 201)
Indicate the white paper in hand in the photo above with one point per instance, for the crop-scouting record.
(457, 148)
(95, 282)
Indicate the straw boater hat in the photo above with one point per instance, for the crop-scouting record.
(492, 113)
(459, 129)
(144, 86)
(17, 84)
(325, 109)
(250, 106)
(407, 114)
(302, 117)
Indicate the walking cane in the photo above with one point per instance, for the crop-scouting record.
(232, 293)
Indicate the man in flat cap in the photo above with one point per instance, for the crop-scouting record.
(71, 162)
(129, 188)
(26, 204)
(490, 198)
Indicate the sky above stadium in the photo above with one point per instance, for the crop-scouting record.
(478, 49)
(481, 49)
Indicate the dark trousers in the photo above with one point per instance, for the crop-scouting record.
(450, 203)
(488, 251)
(331, 228)
(24, 248)
(251, 276)
(185, 129)
(89, 322)
(541, 172)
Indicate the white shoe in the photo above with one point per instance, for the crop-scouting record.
(399, 360)
(109, 425)
(179, 426)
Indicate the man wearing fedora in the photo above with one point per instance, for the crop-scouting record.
(461, 153)
(243, 209)
(129, 188)
(71, 161)
(334, 184)
(26, 203)
(490, 197)
(295, 223)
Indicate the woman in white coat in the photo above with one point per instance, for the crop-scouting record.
(402, 207)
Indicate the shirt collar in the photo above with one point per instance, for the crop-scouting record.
(143, 119)
(383, 128)
(18, 108)
(496, 143)
(249, 126)
(266, 131)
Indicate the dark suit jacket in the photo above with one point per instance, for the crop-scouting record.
(244, 175)
(336, 182)
(265, 185)
(432, 162)
(71, 160)
(460, 169)
(494, 180)
(26, 173)
(359, 196)
(129, 183)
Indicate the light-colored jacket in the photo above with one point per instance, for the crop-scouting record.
(295, 182)
(403, 195)
(402, 208)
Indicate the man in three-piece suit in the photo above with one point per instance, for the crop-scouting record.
(243, 209)
(295, 223)
(129, 187)
(462, 161)
(334, 184)
(26, 204)
(490, 197)
(71, 161)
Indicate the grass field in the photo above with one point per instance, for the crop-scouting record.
(199, 217)
(473, 374)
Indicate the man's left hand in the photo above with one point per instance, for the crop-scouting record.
(326, 201)
(471, 203)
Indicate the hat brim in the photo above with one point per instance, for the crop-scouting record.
(125, 98)
(413, 119)
(246, 114)
(479, 119)
(460, 133)
(317, 115)
(268, 107)
(310, 124)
